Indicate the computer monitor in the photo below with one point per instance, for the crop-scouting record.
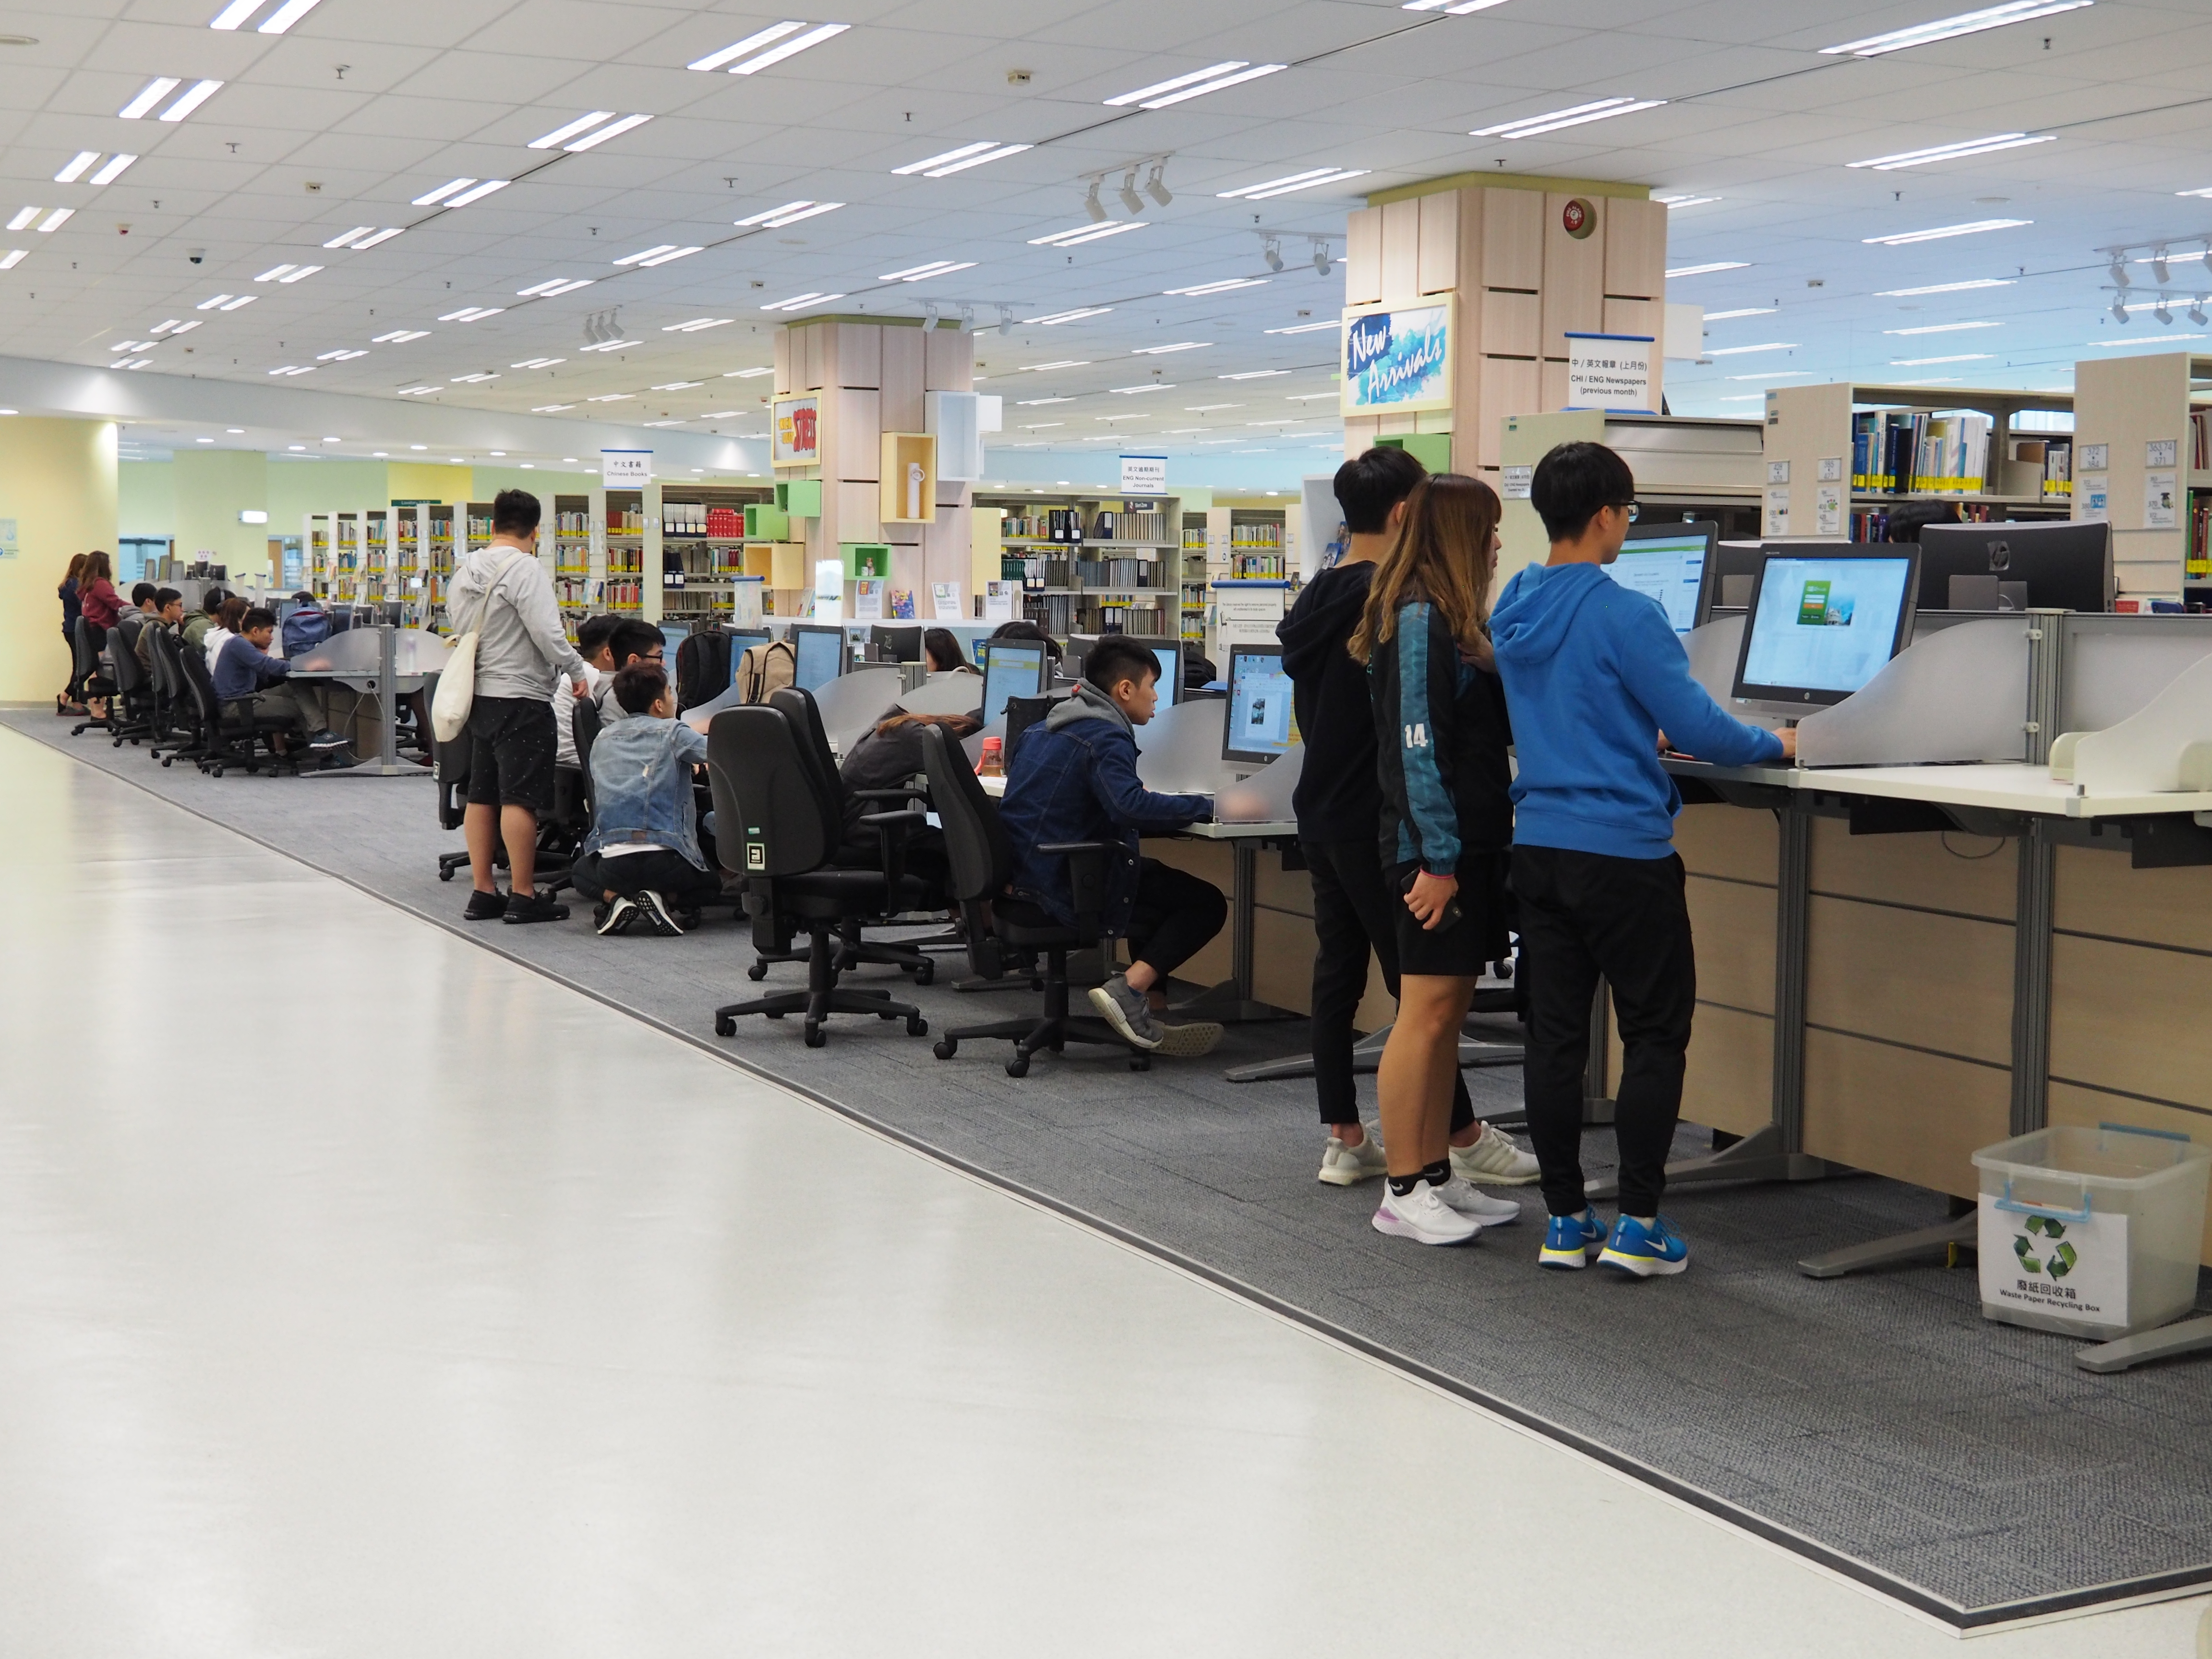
(1825, 618)
(1078, 648)
(1735, 570)
(821, 655)
(742, 640)
(1672, 563)
(1259, 723)
(1169, 651)
(2067, 566)
(895, 644)
(1011, 668)
(673, 639)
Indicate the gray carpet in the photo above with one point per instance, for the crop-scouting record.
(1877, 1424)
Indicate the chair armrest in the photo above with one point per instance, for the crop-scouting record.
(910, 793)
(892, 829)
(1086, 879)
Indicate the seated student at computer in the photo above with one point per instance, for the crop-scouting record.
(591, 636)
(245, 667)
(1073, 778)
(641, 859)
(1441, 742)
(168, 612)
(629, 642)
(940, 649)
(141, 610)
(195, 627)
(1020, 632)
(224, 630)
(885, 757)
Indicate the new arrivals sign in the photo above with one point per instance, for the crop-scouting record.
(1398, 359)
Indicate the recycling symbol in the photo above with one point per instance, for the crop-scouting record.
(2058, 1257)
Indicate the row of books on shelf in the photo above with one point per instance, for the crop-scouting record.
(691, 518)
(572, 524)
(1061, 614)
(1256, 536)
(626, 521)
(1069, 524)
(1194, 540)
(2199, 561)
(1871, 523)
(1258, 565)
(1904, 452)
(2200, 439)
(1055, 572)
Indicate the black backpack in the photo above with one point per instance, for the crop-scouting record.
(702, 668)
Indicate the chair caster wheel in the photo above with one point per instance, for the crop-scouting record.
(816, 1036)
(725, 1026)
(757, 971)
(165, 763)
(925, 974)
(1018, 1066)
(946, 1048)
(916, 1026)
(775, 1014)
(887, 1014)
(1141, 1062)
(443, 875)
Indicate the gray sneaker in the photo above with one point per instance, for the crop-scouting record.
(1130, 1012)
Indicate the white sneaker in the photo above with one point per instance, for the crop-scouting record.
(1347, 1166)
(1477, 1205)
(1495, 1160)
(1423, 1216)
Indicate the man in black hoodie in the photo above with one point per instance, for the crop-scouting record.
(1339, 803)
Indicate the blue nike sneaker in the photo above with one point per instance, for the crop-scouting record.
(1570, 1240)
(1644, 1251)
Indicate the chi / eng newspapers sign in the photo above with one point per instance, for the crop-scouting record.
(1398, 359)
(1610, 372)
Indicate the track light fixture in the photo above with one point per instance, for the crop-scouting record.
(2119, 270)
(929, 315)
(1274, 254)
(1130, 199)
(2119, 309)
(2158, 266)
(2162, 311)
(1321, 261)
(967, 319)
(1091, 204)
(1155, 186)
(2197, 311)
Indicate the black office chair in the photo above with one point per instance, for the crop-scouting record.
(233, 735)
(449, 766)
(179, 716)
(93, 686)
(559, 833)
(131, 715)
(773, 817)
(982, 867)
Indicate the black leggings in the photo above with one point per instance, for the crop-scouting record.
(1176, 915)
(1353, 909)
(670, 874)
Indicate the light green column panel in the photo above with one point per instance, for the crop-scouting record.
(211, 490)
(148, 498)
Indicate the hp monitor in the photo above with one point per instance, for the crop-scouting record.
(820, 655)
(1674, 564)
(2066, 566)
(1011, 668)
(1825, 619)
(1260, 724)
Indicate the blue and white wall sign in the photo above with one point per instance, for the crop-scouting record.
(1398, 359)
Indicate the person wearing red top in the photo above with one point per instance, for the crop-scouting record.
(102, 605)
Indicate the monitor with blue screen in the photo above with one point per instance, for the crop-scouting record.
(1011, 668)
(743, 640)
(821, 656)
(1825, 619)
(1260, 724)
(673, 639)
(1170, 653)
(1672, 563)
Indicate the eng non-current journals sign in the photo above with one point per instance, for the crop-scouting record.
(1398, 359)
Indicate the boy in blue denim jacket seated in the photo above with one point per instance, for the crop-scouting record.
(642, 856)
(1073, 778)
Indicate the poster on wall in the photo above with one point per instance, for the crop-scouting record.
(795, 432)
(944, 596)
(625, 469)
(1610, 372)
(7, 539)
(1398, 359)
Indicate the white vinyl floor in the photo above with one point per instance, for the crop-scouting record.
(364, 1296)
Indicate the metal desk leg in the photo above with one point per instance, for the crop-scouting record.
(385, 687)
(2190, 1336)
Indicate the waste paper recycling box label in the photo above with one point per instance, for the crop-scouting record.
(2061, 1264)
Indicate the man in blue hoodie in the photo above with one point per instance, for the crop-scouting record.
(1599, 683)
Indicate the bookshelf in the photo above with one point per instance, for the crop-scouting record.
(1089, 561)
(1686, 467)
(1192, 579)
(623, 590)
(704, 550)
(1830, 476)
(2159, 501)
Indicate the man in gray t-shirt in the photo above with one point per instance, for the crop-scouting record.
(502, 592)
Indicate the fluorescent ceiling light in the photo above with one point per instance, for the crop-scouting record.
(801, 301)
(112, 170)
(13, 257)
(274, 272)
(1769, 345)
(696, 325)
(1450, 8)
(960, 160)
(1082, 234)
(1944, 287)
(241, 301)
(676, 385)
(154, 92)
(1222, 287)
(1943, 328)
(175, 325)
(1304, 328)
(295, 368)
(1670, 203)
(720, 415)
(345, 239)
(415, 392)
(23, 217)
(55, 220)
(1947, 28)
(1076, 315)
(140, 362)
(561, 135)
(551, 409)
(1916, 158)
(1136, 391)
(537, 362)
(473, 379)
(1035, 403)
(477, 192)
(1043, 426)
(1195, 84)
(2173, 259)
(779, 42)
(1922, 362)
(343, 355)
(297, 274)
(1972, 228)
(790, 213)
(662, 256)
(1603, 109)
(1253, 374)
(611, 345)
(2206, 192)
(1747, 310)
(921, 273)
(198, 93)
(747, 373)
(1707, 270)
(401, 336)
(432, 198)
(611, 129)
(234, 14)
(285, 15)
(2160, 338)
(641, 257)
(75, 168)
(471, 314)
(384, 236)
(611, 398)
(1180, 345)
(1064, 362)
(210, 304)
(553, 285)
(1207, 408)
(1291, 183)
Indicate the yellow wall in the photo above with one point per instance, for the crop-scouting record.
(148, 498)
(421, 480)
(211, 490)
(58, 483)
(545, 482)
